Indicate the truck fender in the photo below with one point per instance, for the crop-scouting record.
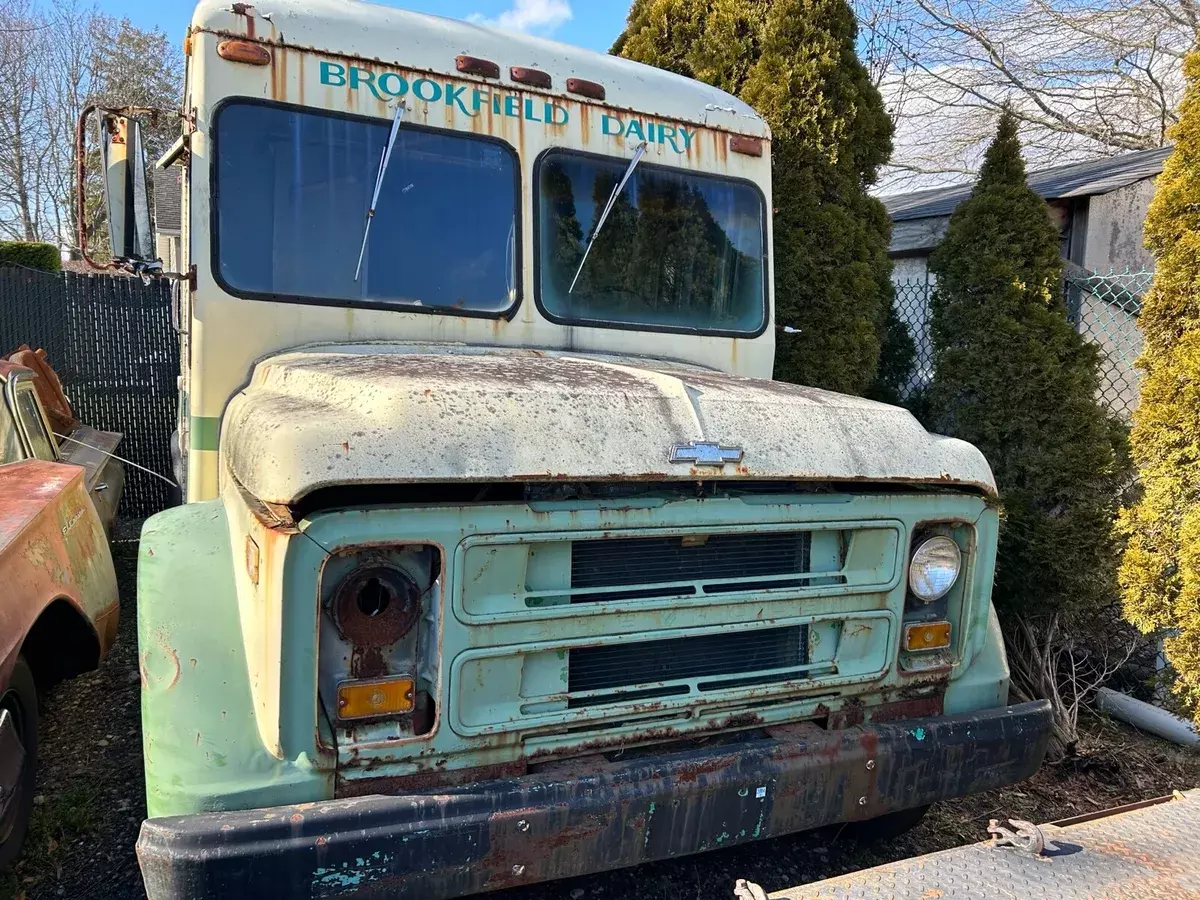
(984, 683)
(200, 741)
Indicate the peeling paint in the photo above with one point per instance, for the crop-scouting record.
(43, 564)
(490, 410)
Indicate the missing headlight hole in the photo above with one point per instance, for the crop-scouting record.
(373, 599)
(376, 605)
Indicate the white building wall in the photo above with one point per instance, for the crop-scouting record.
(167, 246)
(1114, 230)
(910, 268)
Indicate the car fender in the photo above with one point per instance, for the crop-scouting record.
(54, 561)
(984, 683)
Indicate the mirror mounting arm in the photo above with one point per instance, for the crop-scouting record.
(80, 195)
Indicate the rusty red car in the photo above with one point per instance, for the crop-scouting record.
(58, 607)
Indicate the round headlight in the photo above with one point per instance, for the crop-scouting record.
(934, 568)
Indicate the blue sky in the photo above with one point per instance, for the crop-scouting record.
(588, 23)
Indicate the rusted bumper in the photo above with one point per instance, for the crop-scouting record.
(568, 822)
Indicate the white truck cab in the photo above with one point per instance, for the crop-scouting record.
(504, 559)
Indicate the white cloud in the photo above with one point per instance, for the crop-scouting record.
(541, 16)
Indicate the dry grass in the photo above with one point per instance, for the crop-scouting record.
(65, 816)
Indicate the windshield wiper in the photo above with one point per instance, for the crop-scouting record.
(612, 199)
(383, 164)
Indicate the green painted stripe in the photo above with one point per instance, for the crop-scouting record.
(205, 431)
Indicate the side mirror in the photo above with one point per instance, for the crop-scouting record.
(123, 162)
(126, 198)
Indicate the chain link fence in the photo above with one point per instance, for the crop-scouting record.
(912, 304)
(111, 342)
(1104, 308)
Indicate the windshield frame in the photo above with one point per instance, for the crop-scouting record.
(609, 159)
(214, 205)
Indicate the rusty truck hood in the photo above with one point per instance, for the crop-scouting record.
(380, 414)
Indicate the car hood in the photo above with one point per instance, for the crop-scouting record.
(389, 414)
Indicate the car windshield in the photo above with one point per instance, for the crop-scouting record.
(679, 251)
(31, 417)
(10, 440)
(292, 192)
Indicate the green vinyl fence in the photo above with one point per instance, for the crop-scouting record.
(110, 339)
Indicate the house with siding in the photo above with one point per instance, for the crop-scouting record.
(168, 220)
(1099, 208)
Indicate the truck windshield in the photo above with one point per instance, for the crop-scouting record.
(679, 251)
(292, 191)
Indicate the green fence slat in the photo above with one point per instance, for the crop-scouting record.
(109, 338)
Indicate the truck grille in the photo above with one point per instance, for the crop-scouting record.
(772, 653)
(754, 559)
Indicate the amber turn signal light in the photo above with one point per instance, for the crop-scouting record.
(750, 146)
(927, 636)
(368, 699)
(244, 52)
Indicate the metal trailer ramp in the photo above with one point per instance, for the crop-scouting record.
(1144, 850)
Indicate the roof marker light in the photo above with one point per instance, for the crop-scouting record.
(244, 52)
(584, 88)
(532, 77)
(473, 65)
(750, 146)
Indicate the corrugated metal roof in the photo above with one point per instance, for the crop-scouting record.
(1087, 179)
(168, 193)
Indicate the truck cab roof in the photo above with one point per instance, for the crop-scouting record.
(371, 32)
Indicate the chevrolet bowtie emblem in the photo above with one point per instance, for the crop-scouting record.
(705, 453)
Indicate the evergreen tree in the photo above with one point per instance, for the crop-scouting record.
(897, 356)
(794, 61)
(1013, 377)
(567, 237)
(1160, 573)
(611, 266)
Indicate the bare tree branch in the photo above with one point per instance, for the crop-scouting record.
(1049, 663)
(56, 57)
(1086, 78)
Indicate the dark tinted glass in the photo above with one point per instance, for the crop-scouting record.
(293, 189)
(10, 440)
(678, 250)
(31, 418)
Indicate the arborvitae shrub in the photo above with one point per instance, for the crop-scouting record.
(1013, 377)
(1160, 572)
(31, 255)
(794, 61)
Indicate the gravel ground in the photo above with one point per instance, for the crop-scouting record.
(91, 801)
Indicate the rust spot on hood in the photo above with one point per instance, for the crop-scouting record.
(485, 415)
